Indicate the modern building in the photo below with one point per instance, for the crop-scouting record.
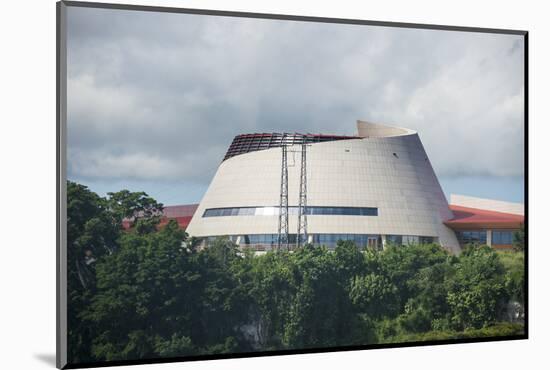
(374, 188)
(485, 221)
(475, 220)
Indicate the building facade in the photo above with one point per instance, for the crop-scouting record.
(375, 188)
(485, 221)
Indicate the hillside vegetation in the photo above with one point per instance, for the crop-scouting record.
(150, 292)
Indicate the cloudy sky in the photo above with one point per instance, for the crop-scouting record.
(155, 99)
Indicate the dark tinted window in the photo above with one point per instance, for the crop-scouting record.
(394, 239)
(472, 237)
(274, 210)
(502, 237)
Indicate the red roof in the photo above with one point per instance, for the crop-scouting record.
(465, 217)
(182, 214)
(180, 211)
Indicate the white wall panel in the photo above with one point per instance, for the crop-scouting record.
(347, 173)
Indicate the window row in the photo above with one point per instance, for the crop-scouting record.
(360, 240)
(504, 237)
(274, 211)
(330, 240)
(409, 239)
(472, 237)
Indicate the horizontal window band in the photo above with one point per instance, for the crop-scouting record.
(292, 210)
(268, 241)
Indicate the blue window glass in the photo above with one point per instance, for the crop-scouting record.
(369, 211)
(394, 239)
(472, 237)
(426, 240)
(274, 211)
(508, 237)
(502, 237)
(483, 237)
(268, 241)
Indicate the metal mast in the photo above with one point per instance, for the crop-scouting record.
(282, 239)
(301, 237)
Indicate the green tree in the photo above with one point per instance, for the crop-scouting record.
(518, 241)
(401, 266)
(271, 281)
(427, 308)
(94, 230)
(322, 313)
(142, 211)
(477, 295)
(152, 292)
(141, 291)
(514, 264)
(373, 295)
(92, 233)
(222, 306)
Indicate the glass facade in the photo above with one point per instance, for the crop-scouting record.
(394, 239)
(427, 239)
(274, 211)
(266, 242)
(502, 237)
(361, 240)
(409, 239)
(472, 237)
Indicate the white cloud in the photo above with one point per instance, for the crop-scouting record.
(162, 95)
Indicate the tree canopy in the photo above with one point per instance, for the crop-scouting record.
(151, 292)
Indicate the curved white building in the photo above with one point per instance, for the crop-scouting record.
(374, 188)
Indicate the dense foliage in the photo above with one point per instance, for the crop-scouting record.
(519, 239)
(150, 292)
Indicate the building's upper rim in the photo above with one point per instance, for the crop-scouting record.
(246, 143)
(369, 129)
(365, 129)
(295, 134)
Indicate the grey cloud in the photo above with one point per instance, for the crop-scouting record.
(153, 96)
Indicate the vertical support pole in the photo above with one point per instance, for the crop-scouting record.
(302, 207)
(282, 239)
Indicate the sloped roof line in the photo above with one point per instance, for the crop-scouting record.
(475, 215)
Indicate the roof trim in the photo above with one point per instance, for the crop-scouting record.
(368, 129)
(466, 217)
(487, 204)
